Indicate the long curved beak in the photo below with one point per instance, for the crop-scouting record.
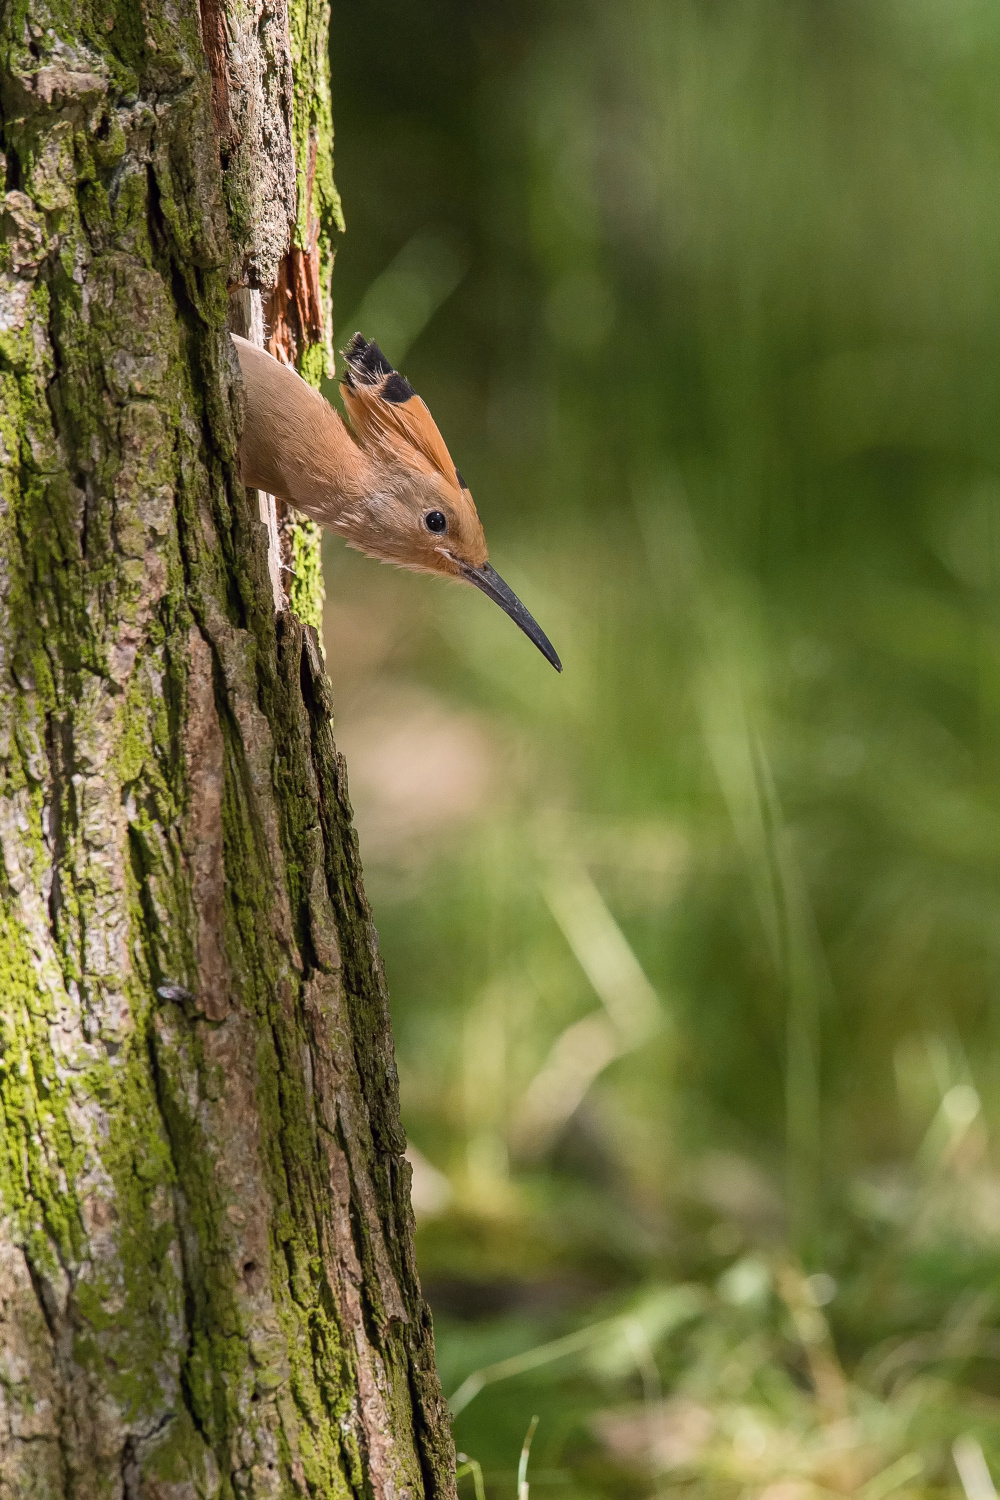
(493, 586)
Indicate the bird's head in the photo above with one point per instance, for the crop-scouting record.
(418, 512)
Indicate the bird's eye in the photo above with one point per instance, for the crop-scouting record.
(436, 520)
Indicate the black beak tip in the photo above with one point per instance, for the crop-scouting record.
(492, 585)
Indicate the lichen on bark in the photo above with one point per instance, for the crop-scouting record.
(207, 1284)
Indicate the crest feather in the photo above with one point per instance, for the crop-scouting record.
(386, 410)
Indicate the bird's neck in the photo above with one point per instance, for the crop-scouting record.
(295, 445)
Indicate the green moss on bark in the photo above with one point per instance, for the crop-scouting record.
(319, 218)
(306, 592)
(312, 129)
(199, 1137)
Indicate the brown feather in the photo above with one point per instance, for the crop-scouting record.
(294, 445)
(385, 409)
(403, 428)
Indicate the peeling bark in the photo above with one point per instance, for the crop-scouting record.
(207, 1285)
(294, 313)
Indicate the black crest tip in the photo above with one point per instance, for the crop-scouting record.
(396, 390)
(356, 348)
(367, 362)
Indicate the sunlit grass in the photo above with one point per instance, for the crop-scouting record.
(759, 1398)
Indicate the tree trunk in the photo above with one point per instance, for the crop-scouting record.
(207, 1285)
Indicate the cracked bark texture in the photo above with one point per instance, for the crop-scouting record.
(207, 1284)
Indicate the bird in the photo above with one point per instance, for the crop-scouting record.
(386, 483)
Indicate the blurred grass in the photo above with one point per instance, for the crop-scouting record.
(694, 951)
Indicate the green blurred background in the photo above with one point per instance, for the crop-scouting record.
(694, 951)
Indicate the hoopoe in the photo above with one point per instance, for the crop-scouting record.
(388, 487)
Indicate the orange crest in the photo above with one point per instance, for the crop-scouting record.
(387, 413)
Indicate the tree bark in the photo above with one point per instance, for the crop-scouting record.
(207, 1283)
